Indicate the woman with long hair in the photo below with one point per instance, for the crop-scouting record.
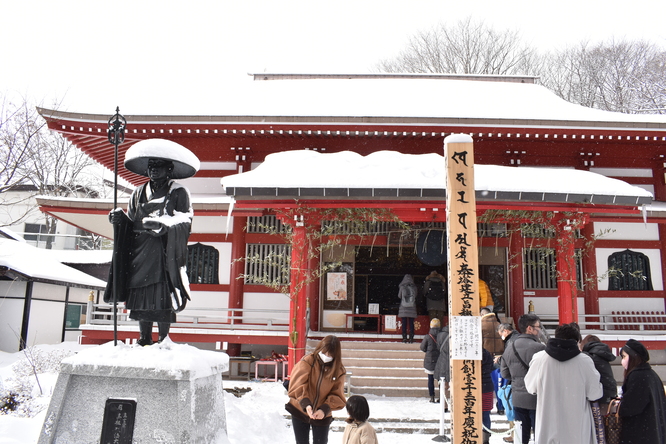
(643, 407)
(316, 389)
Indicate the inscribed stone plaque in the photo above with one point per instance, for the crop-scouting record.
(118, 425)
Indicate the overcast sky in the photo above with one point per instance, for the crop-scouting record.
(95, 55)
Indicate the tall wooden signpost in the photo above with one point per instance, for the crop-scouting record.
(464, 319)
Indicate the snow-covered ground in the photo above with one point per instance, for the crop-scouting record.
(258, 416)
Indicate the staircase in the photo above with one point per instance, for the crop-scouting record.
(390, 369)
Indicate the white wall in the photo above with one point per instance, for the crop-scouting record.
(608, 305)
(46, 322)
(11, 315)
(270, 301)
(626, 231)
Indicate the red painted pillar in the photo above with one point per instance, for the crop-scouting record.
(313, 292)
(516, 286)
(298, 295)
(591, 292)
(237, 268)
(566, 274)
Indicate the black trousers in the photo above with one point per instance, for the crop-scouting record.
(302, 432)
(528, 419)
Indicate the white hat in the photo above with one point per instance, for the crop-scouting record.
(185, 163)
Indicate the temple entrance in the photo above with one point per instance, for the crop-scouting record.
(372, 276)
(379, 271)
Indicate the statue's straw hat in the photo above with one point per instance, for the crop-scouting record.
(185, 163)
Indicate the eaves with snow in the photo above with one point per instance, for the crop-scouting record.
(19, 260)
(397, 176)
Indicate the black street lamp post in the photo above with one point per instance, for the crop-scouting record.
(116, 132)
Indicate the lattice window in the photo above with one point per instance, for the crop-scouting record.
(491, 230)
(629, 270)
(203, 264)
(363, 228)
(540, 271)
(267, 263)
(264, 224)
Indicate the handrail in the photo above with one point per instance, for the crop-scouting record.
(615, 321)
(210, 317)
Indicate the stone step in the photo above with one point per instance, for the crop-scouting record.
(385, 354)
(391, 392)
(389, 381)
(383, 362)
(365, 345)
(386, 368)
(396, 372)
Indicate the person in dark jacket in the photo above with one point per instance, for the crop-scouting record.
(430, 346)
(602, 356)
(407, 292)
(643, 407)
(435, 291)
(514, 365)
(487, 391)
(443, 366)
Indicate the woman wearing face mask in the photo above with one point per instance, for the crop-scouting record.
(643, 407)
(316, 389)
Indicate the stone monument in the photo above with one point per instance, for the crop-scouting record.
(167, 393)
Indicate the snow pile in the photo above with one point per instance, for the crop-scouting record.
(25, 391)
(167, 356)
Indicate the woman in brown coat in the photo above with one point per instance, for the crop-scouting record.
(316, 389)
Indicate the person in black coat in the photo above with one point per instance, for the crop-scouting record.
(430, 346)
(643, 407)
(602, 356)
(487, 391)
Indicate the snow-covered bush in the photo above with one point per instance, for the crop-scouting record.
(23, 393)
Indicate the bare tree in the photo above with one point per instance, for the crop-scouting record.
(34, 158)
(625, 76)
(468, 47)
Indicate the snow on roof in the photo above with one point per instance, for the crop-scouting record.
(391, 169)
(34, 263)
(408, 97)
(81, 256)
(383, 96)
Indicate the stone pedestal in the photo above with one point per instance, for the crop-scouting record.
(176, 390)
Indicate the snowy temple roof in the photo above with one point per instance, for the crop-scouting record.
(412, 99)
(390, 174)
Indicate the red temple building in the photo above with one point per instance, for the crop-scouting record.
(571, 203)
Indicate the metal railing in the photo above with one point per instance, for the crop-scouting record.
(648, 322)
(202, 317)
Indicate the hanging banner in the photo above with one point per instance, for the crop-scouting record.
(464, 320)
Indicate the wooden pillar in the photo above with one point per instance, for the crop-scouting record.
(298, 294)
(517, 287)
(313, 292)
(591, 292)
(237, 268)
(567, 290)
(464, 319)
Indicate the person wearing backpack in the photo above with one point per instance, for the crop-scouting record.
(435, 292)
(407, 313)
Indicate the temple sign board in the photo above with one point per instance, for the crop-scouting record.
(464, 320)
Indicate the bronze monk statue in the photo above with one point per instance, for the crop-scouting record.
(152, 237)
